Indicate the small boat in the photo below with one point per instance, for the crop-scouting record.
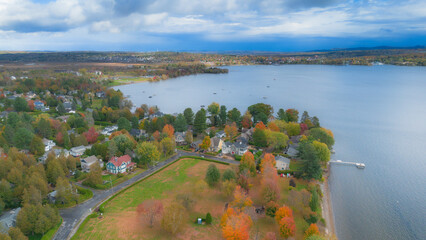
(267, 86)
(150, 97)
(214, 93)
(264, 97)
(360, 165)
(202, 106)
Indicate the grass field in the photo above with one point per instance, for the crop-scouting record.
(121, 221)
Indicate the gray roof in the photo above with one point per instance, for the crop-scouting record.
(215, 141)
(280, 158)
(90, 160)
(8, 219)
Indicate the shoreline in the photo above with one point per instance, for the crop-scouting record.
(327, 208)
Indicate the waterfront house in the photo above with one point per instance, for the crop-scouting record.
(120, 164)
(100, 94)
(236, 148)
(8, 218)
(282, 163)
(86, 163)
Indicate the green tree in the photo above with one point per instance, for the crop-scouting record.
(282, 115)
(189, 116)
(228, 175)
(135, 122)
(323, 135)
(123, 143)
(311, 167)
(95, 175)
(20, 104)
(27, 218)
(315, 237)
(167, 146)
(60, 108)
(2, 205)
(148, 153)
(322, 151)
(260, 138)
(292, 115)
(43, 128)
(213, 109)
(13, 119)
(305, 116)
(66, 192)
(276, 140)
(292, 128)
(9, 133)
(212, 175)
(54, 170)
(22, 138)
(37, 146)
(223, 115)
(180, 123)
(16, 234)
(234, 115)
(209, 219)
(260, 112)
(123, 123)
(200, 121)
(314, 203)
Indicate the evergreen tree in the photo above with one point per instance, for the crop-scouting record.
(223, 115)
(212, 175)
(37, 146)
(189, 116)
(180, 123)
(200, 121)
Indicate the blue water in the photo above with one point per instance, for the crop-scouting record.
(377, 114)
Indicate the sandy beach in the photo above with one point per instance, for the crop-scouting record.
(327, 210)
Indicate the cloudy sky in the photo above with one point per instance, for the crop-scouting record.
(210, 25)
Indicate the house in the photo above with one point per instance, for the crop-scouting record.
(100, 94)
(156, 115)
(120, 164)
(68, 106)
(48, 144)
(136, 133)
(282, 163)
(52, 196)
(292, 151)
(238, 148)
(215, 144)
(221, 134)
(109, 130)
(196, 144)
(63, 118)
(60, 151)
(8, 219)
(4, 114)
(180, 138)
(78, 151)
(86, 163)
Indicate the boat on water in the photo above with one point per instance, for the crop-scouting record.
(360, 165)
(150, 97)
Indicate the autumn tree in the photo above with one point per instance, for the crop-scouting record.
(282, 212)
(287, 227)
(260, 126)
(246, 121)
(150, 211)
(169, 130)
(269, 183)
(206, 143)
(228, 188)
(323, 135)
(174, 218)
(271, 208)
(212, 175)
(37, 146)
(236, 225)
(276, 140)
(54, 170)
(231, 131)
(66, 192)
(268, 159)
(148, 153)
(292, 129)
(241, 199)
(168, 146)
(247, 162)
(16, 234)
(292, 115)
(188, 137)
(312, 230)
(91, 135)
(228, 174)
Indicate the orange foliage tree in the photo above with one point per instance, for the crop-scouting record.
(273, 127)
(156, 136)
(283, 212)
(236, 225)
(287, 227)
(169, 130)
(312, 230)
(260, 126)
(241, 199)
(206, 143)
(231, 130)
(270, 187)
(246, 121)
(268, 159)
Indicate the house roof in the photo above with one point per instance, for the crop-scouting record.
(282, 159)
(117, 161)
(90, 160)
(215, 141)
(239, 144)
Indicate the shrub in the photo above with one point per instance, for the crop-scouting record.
(209, 219)
(271, 208)
(292, 183)
(229, 174)
(311, 218)
(212, 175)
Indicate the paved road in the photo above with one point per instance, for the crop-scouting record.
(72, 216)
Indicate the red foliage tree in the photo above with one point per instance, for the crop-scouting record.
(273, 127)
(31, 105)
(91, 135)
(156, 136)
(287, 227)
(246, 121)
(303, 128)
(60, 138)
(260, 126)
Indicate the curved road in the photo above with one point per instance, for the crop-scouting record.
(72, 217)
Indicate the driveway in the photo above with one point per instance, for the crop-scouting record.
(73, 216)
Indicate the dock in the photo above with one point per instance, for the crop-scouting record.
(358, 165)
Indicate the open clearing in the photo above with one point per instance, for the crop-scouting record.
(121, 221)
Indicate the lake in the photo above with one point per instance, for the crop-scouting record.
(377, 114)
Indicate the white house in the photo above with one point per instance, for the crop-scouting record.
(215, 144)
(221, 134)
(120, 164)
(48, 144)
(180, 138)
(282, 163)
(238, 148)
(78, 151)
